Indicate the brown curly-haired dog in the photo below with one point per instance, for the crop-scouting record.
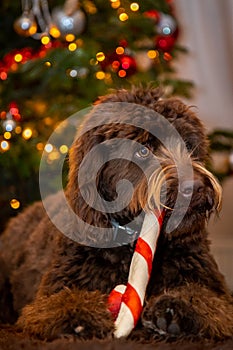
(60, 286)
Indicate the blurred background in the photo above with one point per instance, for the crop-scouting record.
(58, 56)
(207, 33)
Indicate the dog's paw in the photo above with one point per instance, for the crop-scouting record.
(68, 313)
(90, 326)
(171, 316)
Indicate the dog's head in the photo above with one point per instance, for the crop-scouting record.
(137, 152)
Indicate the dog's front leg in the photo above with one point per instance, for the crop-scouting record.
(191, 310)
(76, 312)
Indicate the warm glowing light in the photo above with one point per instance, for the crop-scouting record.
(167, 56)
(70, 37)
(134, 6)
(3, 75)
(7, 135)
(100, 75)
(5, 145)
(14, 110)
(3, 114)
(18, 129)
(55, 32)
(90, 7)
(72, 47)
(115, 65)
(45, 40)
(116, 4)
(42, 53)
(27, 134)
(122, 73)
(54, 155)
(48, 64)
(40, 146)
(48, 121)
(48, 148)
(15, 204)
(63, 149)
(93, 62)
(120, 50)
(125, 65)
(79, 42)
(32, 30)
(18, 57)
(100, 56)
(152, 54)
(14, 67)
(108, 78)
(123, 17)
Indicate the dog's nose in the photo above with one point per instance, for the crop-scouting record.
(188, 187)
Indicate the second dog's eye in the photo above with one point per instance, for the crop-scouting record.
(143, 152)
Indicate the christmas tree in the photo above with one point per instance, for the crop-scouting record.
(58, 58)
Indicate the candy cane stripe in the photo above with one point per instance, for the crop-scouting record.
(133, 302)
(145, 251)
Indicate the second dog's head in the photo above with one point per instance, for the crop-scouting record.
(137, 152)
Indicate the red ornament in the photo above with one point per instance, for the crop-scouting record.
(14, 111)
(153, 14)
(123, 43)
(165, 42)
(123, 65)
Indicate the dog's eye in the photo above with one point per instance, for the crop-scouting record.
(143, 152)
(189, 146)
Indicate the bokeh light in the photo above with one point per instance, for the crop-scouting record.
(14, 203)
(27, 133)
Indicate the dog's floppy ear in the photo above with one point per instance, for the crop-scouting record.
(86, 157)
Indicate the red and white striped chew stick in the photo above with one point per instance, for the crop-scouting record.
(129, 299)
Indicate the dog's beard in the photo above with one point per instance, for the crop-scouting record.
(163, 195)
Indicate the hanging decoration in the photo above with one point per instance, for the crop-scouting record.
(37, 22)
(166, 29)
(69, 19)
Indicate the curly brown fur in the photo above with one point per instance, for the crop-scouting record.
(60, 286)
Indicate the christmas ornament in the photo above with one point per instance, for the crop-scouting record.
(25, 25)
(166, 29)
(166, 25)
(69, 19)
(124, 65)
(126, 302)
(35, 14)
(164, 42)
(153, 14)
(74, 24)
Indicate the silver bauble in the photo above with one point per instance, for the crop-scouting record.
(166, 25)
(72, 24)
